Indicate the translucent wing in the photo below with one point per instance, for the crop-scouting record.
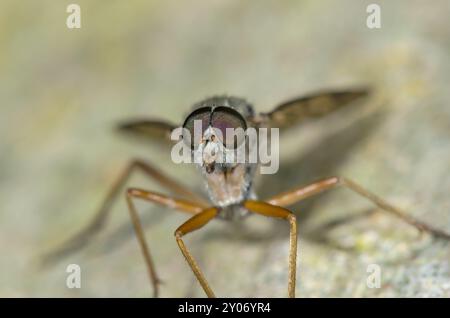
(151, 130)
(311, 106)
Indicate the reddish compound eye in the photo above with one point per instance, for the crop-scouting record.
(195, 125)
(231, 125)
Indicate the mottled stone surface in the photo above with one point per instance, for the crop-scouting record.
(62, 91)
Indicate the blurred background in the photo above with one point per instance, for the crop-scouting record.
(63, 91)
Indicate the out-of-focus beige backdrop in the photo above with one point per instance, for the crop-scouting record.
(62, 91)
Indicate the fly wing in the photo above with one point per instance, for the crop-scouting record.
(316, 105)
(148, 129)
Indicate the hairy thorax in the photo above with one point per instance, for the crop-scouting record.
(227, 188)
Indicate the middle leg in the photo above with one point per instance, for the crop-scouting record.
(179, 204)
(303, 192)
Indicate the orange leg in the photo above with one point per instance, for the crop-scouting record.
(179, 204)
(259, 207)
(194, 223)
(81, 238)
(298, 194)
(275, 211)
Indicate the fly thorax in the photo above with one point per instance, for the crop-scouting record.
(229, 185)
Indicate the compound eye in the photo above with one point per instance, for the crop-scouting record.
(195, 125)
(231, 125)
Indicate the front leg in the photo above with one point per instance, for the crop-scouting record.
(194, 223)
(259, 207)
(274, 211)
